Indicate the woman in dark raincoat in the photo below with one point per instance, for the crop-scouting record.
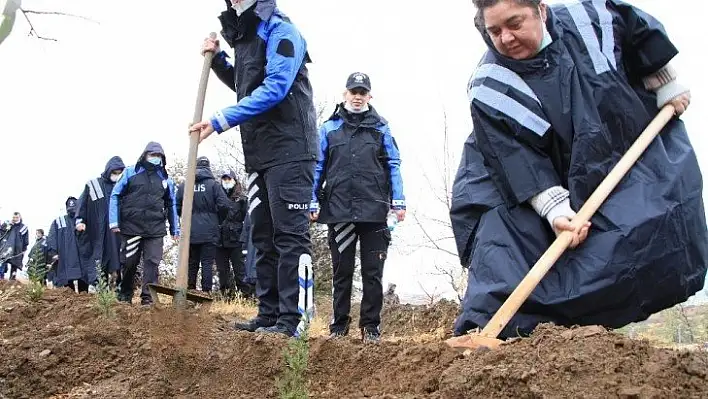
(98, 245)
(561, 94)
(63, 246)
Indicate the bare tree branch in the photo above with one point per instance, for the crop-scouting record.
(65, 14)
(33, 31)
(432, 297)
(458, 283)
(430, 239)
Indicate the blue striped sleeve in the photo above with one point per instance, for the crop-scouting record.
(285, 52)
(393, 159)
(113, 204)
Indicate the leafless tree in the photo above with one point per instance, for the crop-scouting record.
(436, 231)
(431, 296)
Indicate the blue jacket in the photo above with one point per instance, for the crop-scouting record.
(275, 110)
(143, 198)
(358, 171)
(98, 244)
(565, 117)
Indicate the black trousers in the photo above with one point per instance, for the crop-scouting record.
(374, 240)
(80, 284)
(201, 254)
(132, 249)
(13, 271)
(279, 199)
(228, 260)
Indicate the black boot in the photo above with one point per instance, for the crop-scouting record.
(254, 324)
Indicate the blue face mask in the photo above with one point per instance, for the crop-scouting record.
(155, 160)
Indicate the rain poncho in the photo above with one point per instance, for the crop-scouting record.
(565, 117)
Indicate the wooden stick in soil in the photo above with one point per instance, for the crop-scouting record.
(180, 297)
(488, 336)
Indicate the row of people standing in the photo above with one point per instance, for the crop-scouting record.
(217, 232)
(121, 218)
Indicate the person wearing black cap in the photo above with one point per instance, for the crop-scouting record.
(63, 247)
(209, 200)
(277, 120)
(357, 184)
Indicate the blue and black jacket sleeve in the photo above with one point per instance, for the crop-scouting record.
(114, 203)
(224, 70)
(319, 168)
(285, 52)
(393, 160)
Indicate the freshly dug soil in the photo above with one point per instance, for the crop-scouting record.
(587, 362)
(63, 347)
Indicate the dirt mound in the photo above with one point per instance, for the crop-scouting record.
(420, 319)
(404, 320)
(61, 347)
(583, 362)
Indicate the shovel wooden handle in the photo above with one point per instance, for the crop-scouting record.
(544, 264)
(188, 195)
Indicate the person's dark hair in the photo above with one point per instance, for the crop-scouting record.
(481, 5)
(41, 231)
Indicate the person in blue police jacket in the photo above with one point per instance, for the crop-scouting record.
(561, 94)
(357, 183)
(277, 120)
(98, 245)
(140, 201)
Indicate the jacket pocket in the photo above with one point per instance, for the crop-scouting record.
(292, 210)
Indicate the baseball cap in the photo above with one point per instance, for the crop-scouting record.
(203, 161)
(358, 79)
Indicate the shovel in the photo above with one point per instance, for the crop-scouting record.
(179, 293)
(488, 336)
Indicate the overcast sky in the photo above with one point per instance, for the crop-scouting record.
(107, 89)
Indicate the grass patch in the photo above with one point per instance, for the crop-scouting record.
(239, 306)
(293, 382)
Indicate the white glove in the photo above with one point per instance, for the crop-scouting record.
(667, 88)
(552, 203)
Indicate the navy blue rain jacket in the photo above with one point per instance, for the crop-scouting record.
(62, 241)
(14, 240)
(98, 244)
(565, 117)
